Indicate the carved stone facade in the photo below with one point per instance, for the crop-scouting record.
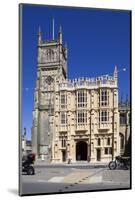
(76, 119)
(124, 129)
(51, 69)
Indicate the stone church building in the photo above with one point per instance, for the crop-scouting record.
(125, 127)
(76, 119)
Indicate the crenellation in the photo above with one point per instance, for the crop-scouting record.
(89, 83)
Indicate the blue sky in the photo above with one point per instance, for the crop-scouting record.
(97, 41)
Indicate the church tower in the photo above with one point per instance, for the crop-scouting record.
(51, 70)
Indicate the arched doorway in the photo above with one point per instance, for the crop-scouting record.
(81, 150)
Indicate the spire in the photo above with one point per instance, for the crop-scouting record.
(60, 35)
(115, 74)
(66, 50)
(60, 29)
(39, 30)
(39, 36)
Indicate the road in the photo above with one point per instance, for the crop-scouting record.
(73, 178)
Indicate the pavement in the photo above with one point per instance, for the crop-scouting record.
(59, 178)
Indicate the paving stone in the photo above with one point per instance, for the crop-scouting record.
(56, 179)
(75, 177)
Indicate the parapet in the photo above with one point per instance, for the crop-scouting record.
(88, 83)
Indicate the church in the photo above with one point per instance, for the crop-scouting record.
(72, 119)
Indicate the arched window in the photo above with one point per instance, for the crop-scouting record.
(55, 55)
(52, 56)
(82, 98)
(104, 97)
(108, 141)
(63, 142)
(122, 118)
(63, 118)
(121, 141)
(63, 100)
(98, 141)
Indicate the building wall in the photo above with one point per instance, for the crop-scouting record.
(73, 132)
(124, 128)
(51, 69)
(83, 126)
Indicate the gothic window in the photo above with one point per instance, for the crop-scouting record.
(82, 98)
(98, 142)
(108, 151)
(42, 56)
(63, 100)
(63, 118)
(121, 141)
(55, 55)
(108, 141)
(47, 55)
(52, 55)
(122, 118)
(104, 116)
(63, 142)
(82, 117)
(104, 98)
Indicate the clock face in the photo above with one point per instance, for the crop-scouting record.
(46, 81)
(49, 80)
